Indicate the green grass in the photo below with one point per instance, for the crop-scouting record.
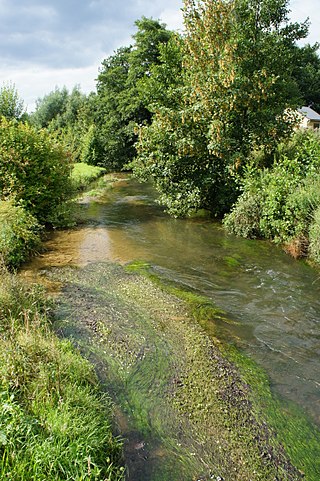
(83, 174)
(54, 421)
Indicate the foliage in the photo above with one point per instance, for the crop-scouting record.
(314, 236)
(54, 423)
(68, 116)
(119, 104)
(307, 75)
(19, 234)
(50, 108)
(34, 169)
(278, 202)
(230, 94)
(11, 105)
(173, 149)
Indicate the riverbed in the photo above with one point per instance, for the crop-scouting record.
(271, 302)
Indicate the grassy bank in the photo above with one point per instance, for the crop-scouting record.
(83, 174)
(54, 422)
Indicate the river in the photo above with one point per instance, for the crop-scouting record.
(272, 300)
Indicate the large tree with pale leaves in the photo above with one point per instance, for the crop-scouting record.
(237, 59)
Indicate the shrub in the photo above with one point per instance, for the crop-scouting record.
(19, 233)
(278, 202)
(34, 169)
(314, 237)
(244, 219)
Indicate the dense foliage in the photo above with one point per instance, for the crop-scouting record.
(119, 104)
(67, 115)
(231, 95)
(280, 202)
(307, 75)
(34, 171)
(19, 234)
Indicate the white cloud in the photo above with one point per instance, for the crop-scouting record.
(300, 10)
(35, 82)
(49, 43)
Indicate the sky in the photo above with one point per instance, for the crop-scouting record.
(46, 44)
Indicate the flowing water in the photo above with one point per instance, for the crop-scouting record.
(272, 300)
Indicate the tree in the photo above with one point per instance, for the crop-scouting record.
(119, 105)
(235, 89)
(235, 51)
(307, 75)
(65, 115)
(50, 107)
(11, 105)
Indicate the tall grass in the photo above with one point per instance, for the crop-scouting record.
(54, 422)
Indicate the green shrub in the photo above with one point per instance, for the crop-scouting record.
(19, 234)
(314, 237)
(278, 202)
(34, 169)
(244, 219)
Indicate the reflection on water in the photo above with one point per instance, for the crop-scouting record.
(274, 298)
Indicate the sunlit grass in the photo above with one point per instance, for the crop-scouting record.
(83, 174)
(54, 422)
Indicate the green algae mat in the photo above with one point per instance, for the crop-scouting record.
(188, 406)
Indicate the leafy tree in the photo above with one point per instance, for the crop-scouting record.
(66, 115)
(11, 105)
(307, 75)
(235, 89)
(114, 138)
(50, 107)
(235, 53)
(119, 105)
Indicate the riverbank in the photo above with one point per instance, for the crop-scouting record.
(190, 408)
(54, 421)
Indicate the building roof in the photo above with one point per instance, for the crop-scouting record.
(309, 113)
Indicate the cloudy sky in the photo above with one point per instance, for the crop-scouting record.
(49, 43)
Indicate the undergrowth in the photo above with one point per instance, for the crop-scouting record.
(279, 202)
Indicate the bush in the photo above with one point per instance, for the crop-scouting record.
(34, 169)
(19, 234)
(314, 237)
(244, 219)
(278, 202)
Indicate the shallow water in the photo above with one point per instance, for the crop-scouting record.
(273, 300)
